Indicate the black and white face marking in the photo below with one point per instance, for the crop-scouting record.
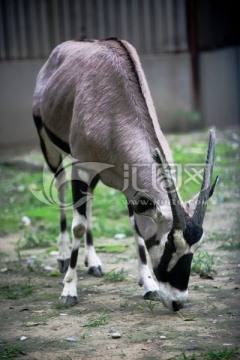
(173, 270)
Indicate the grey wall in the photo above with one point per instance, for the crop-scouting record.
(17, 81)
(220, 87)
(169, 78)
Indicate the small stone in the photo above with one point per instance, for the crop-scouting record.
(26, 221)
(116, 335)
(23, 338)
(72, 339)
(119, 236)
(31, 323)
(84, 290)
(192, 347)
(30, 261)
(163, 337)
(63, 314)
(48, 268)
(54, 253)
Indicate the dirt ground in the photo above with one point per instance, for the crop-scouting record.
(145, 333)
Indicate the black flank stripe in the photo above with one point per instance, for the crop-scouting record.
(63, 224)
(38, 122)
(73, 259)
(94, 182)
(39, 126)
(57, 141)
(142, 254)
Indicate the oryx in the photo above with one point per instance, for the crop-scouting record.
(92, 101)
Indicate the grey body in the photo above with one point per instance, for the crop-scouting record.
(90, 97)
(93, 98)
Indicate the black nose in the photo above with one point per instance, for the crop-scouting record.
(176, 306)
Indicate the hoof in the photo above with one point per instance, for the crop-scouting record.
(95, 271)
(153, 295)
(68, 301)
(63, 265)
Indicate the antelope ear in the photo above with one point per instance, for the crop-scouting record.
(212, 187)
(192, 203)
(144, 205)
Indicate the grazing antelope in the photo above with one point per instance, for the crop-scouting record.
(92, 101)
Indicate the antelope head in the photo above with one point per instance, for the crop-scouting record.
(172, 257)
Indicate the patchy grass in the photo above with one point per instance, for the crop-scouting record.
(102, 319)
(10, 351)
(202, 264)
(115, 275)
(111, 248)
(226, 353)
(17, 291)
(223, 354)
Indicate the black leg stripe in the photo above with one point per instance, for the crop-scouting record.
(142, 254)
(73, 259)
(79, 192)
(89, 238)
(63, 224)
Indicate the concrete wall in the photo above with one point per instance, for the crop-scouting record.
(220, 87)
(169, 78)
(17, 81)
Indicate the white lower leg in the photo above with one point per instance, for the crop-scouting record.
(92, 259)
(70, 283)
(145, 277)
(70, 280)
(64, 246)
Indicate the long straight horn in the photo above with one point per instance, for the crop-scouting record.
(206, 188)
(179, 221)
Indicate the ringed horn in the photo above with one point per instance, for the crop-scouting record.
(180, 217)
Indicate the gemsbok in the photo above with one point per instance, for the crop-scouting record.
(92, 101)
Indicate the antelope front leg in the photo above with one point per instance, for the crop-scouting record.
(145, 279)
(69, 295)
(79, 224)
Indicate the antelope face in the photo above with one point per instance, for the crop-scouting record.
(172, 269)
